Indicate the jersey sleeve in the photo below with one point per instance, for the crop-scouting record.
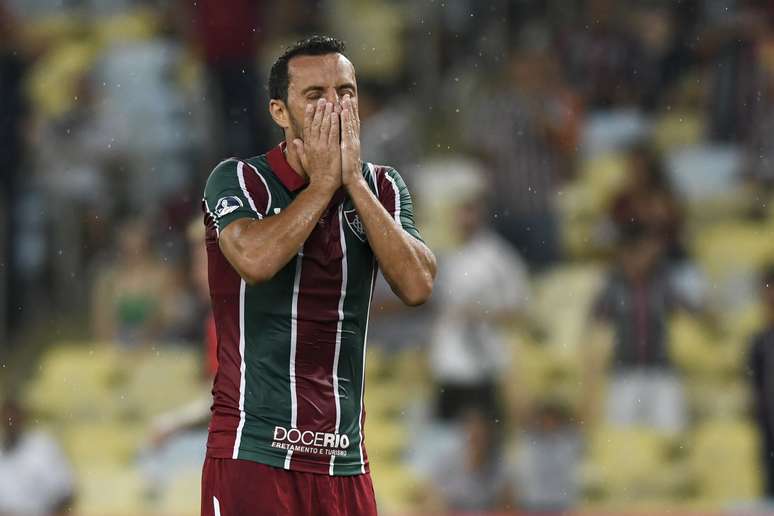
(233, 191)
(396, 199)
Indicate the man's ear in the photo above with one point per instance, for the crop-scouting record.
(279, 112)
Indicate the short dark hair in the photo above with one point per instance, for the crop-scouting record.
(317, 45)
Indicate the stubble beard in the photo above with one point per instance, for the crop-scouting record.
(297, 128)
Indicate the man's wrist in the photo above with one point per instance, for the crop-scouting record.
(355, 178)
(323, 185)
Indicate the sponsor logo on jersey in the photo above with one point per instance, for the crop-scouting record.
(355, 224)
(227, 205)
(308, 441)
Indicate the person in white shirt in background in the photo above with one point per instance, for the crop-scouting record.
(482, 286)
(36, 479)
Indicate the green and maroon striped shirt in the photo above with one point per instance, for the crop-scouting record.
(291, 351)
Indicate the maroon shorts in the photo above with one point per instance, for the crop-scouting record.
(233, 487)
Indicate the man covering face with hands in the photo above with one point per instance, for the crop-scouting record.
(295, 238)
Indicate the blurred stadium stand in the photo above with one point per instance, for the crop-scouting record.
(111, 117)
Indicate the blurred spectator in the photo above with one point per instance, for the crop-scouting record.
(604, 60)
(760, 149)
(647, 200)
(389, 132)
(547, 460)
(35, 477)
(178, 437)
(114, 107)
(72, 165)
(661, 34)
(761, 370)
(482, 284)
(13, 111)
(393, 326)
(228, 34)
(637, 300)
(187, 417)
(131, 298)
(729, 43)
(147, 117)
(526, 127)
(474, 478)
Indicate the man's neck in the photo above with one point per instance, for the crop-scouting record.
(294, 160)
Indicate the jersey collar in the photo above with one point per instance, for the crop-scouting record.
(282, 169)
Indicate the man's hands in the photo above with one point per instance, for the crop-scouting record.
(320, 150)
(351, 166)
(331, 157)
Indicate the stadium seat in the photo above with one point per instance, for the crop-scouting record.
(724, 460)
(110, 491)
(182, 495)
(621, 465)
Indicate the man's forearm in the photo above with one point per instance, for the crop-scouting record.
(265, 246)
(406, 263)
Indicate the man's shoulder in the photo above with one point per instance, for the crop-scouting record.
(231, 164)
(260, 163)
(233, 167)
(381, 175)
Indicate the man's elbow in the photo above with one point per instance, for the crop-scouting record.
(257, 274)
(418, 293)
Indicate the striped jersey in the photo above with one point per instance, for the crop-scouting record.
(291, 351)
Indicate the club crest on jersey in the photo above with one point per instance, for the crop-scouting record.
(355, 224)
(227, 205)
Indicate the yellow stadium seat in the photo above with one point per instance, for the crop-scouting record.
(732, 249)
(694, 349)
(397, 489)
(182, 496)
(136, 24)
(101, 443)
(110, 491)
(386, 439)
(724, 460)
(714, 397)
(76, 382)
(675, 130)
(175, 372)
(53, 81)
(561, 303)
(628, 465)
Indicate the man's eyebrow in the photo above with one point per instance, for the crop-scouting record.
(346, 85)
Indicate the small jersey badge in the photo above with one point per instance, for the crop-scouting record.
(355, 224)
(227, 205)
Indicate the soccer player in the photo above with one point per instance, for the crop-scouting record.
(294, 240)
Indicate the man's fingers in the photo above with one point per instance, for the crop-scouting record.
(325, 125)
(308, 115)
(299, 146)
(334, 132)
(351, 134)
(346, 121)
(356, 115)
(351, 127)
(317, 120)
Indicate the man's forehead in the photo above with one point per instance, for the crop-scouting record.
(304, 70)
